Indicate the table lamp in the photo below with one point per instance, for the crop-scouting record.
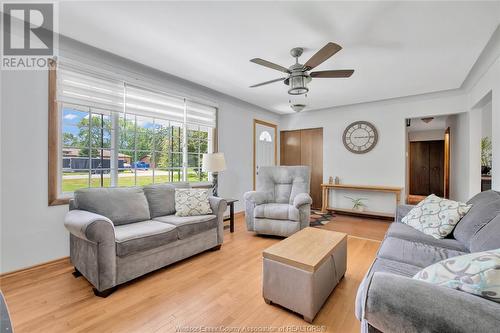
(213, 163)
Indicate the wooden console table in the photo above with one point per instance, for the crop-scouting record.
(386, 189)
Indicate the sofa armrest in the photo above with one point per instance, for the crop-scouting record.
(400, 304)
(253, 199)
(90, 226)
(401, 211)
(218, 206)
(302, 199)
(256, 197)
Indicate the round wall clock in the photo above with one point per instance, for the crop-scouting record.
(360, 137)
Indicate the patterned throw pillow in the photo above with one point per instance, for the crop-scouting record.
(476, 273)
(191, 202)
(436, 216)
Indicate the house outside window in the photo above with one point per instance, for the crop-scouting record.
(112, 134)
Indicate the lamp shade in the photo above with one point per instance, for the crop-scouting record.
(214, 162)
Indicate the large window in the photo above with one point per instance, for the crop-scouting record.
(115, 134)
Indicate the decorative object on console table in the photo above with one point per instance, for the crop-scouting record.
(230, 218)
(214, 163)
(358, 204)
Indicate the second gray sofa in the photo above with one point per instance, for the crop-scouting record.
(118, 234)
(389, 300)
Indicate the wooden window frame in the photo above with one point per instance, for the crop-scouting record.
(53, 140)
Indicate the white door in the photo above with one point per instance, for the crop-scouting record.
(265, 146)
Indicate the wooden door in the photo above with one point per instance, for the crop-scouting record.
(419, 168)
(436, 168)
(427, 168)
(305, 147)
(290, 147)
(265, 147)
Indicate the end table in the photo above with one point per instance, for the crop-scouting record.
(230, 218)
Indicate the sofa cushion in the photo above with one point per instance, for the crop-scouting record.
(488, 238)
(277, 211)
(436, 216)
(404, 231)
(485, 207)
(283, 228)
(475, 273)
(121, 205)
(161, 199)
(187, 226)
(135, 237)
(414, 253)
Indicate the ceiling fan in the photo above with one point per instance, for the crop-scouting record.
(298, 74)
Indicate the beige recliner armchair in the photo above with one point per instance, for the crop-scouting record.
(281, 205)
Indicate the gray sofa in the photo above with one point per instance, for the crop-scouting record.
(389, 300)
(118, 234)
(281, 205)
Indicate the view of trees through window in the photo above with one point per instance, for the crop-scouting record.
(102, 149)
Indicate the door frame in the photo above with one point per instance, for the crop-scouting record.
(268, 124)
(447, 162)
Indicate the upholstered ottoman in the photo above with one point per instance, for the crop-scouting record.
(301, 271)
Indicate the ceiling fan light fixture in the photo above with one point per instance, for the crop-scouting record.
(297, 107)
(298, 85)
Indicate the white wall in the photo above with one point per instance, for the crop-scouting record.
(459, 156)
(488, 87)
(483, 84)
(386, 163)
(32, 232)
(431, 135)
(486, 124)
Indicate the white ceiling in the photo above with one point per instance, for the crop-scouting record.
(396, 48)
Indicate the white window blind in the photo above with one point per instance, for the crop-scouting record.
(82, 89)
(200, 114)
(143, 102)
(108, 94)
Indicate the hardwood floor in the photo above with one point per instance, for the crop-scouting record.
(362, 227)
(221, 288)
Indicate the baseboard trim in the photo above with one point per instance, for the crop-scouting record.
(34, 267)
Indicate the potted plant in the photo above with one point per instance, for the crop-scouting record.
(485, 155)
(358, 204)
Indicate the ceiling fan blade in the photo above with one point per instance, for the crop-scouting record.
(326, 52)
(267, 82)
(269, 64)
(334, 73)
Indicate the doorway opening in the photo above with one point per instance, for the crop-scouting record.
(428, 158)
